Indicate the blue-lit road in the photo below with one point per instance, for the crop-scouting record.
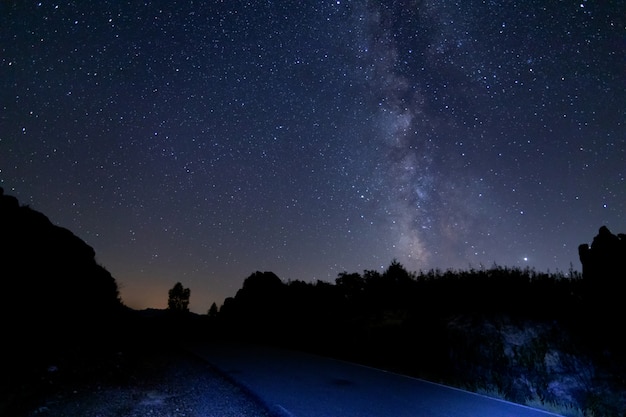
(294, 384)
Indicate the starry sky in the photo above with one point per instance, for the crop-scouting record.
(201, 141)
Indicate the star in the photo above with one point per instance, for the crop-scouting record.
(308, 141)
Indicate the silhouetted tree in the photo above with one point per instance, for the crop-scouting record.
(266, 283)
(261, 295)
(213, 312)
(396, 273)
(178, 300)
(351, 285)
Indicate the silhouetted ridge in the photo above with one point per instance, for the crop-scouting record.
(54, 291)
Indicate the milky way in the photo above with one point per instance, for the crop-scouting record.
(200, 142)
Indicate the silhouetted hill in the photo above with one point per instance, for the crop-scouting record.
(55, 295)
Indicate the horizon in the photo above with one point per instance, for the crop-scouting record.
(163, 305)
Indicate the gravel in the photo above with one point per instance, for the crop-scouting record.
(175, 384)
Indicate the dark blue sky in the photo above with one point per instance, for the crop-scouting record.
(201, 141)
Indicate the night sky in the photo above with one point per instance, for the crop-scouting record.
(201, 141)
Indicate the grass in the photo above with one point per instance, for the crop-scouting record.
(566, 410)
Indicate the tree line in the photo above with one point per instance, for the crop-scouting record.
(356, 306)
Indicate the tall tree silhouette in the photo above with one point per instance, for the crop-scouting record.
(213, 311)
(178, 300)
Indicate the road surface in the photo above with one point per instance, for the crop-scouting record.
(295, 384)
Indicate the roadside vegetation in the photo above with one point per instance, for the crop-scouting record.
(551, 340)
(533, 338)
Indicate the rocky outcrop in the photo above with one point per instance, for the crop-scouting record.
(604, 262)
